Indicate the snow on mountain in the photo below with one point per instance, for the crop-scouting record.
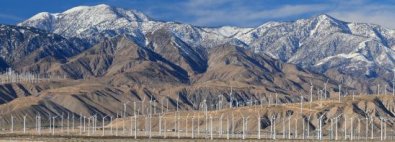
(88, 21)
(102, 21)
(228, 31)
(323, 42)
(319, 43)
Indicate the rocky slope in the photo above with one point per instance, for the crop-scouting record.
(34, 50)
(323, 44)
(118, 71)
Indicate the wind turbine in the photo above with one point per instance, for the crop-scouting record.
(135, 125)
(116, 128)
(227, 127)
(211, 127)
(24, 124)
(311, 92)
(160, 123)
(178, 126)
(259, 125)
(39, 124)
(103, 119)
(345, 127)
(89, 122)
(340, 88)
(244, 125)
(12, 124)
(124, 116)
(320, 127)
(124, 108)
(131, 126)
(383, 129)
(53, 124)
(274, 127)
(192, 128)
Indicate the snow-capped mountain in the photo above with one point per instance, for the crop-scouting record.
(95, 23)
(84, 21)
(323, 43)
(320, 43)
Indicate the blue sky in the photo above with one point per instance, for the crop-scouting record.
(212, 13)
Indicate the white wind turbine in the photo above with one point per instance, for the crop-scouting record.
(259, 125)
(53, 124)
(24, 124)
(192, 128)
(12, 124)
(211, 127)
(274, 127)
(320, 127)
(103, 120)
(337, 123)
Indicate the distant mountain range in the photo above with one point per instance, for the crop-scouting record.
(107, 51)
(320, 43)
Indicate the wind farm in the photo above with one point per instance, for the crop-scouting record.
(324, 118)
(196, 70)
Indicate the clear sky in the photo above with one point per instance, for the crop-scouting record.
(212, 13)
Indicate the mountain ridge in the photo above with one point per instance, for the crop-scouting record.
(351, 49)
(115, 61)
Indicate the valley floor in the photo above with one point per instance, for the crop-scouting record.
(359, 118)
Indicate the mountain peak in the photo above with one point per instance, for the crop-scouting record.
(41, 15)
(326, 17)
(327, 24)
(107, 10)
(100, 7)
(85, 21)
